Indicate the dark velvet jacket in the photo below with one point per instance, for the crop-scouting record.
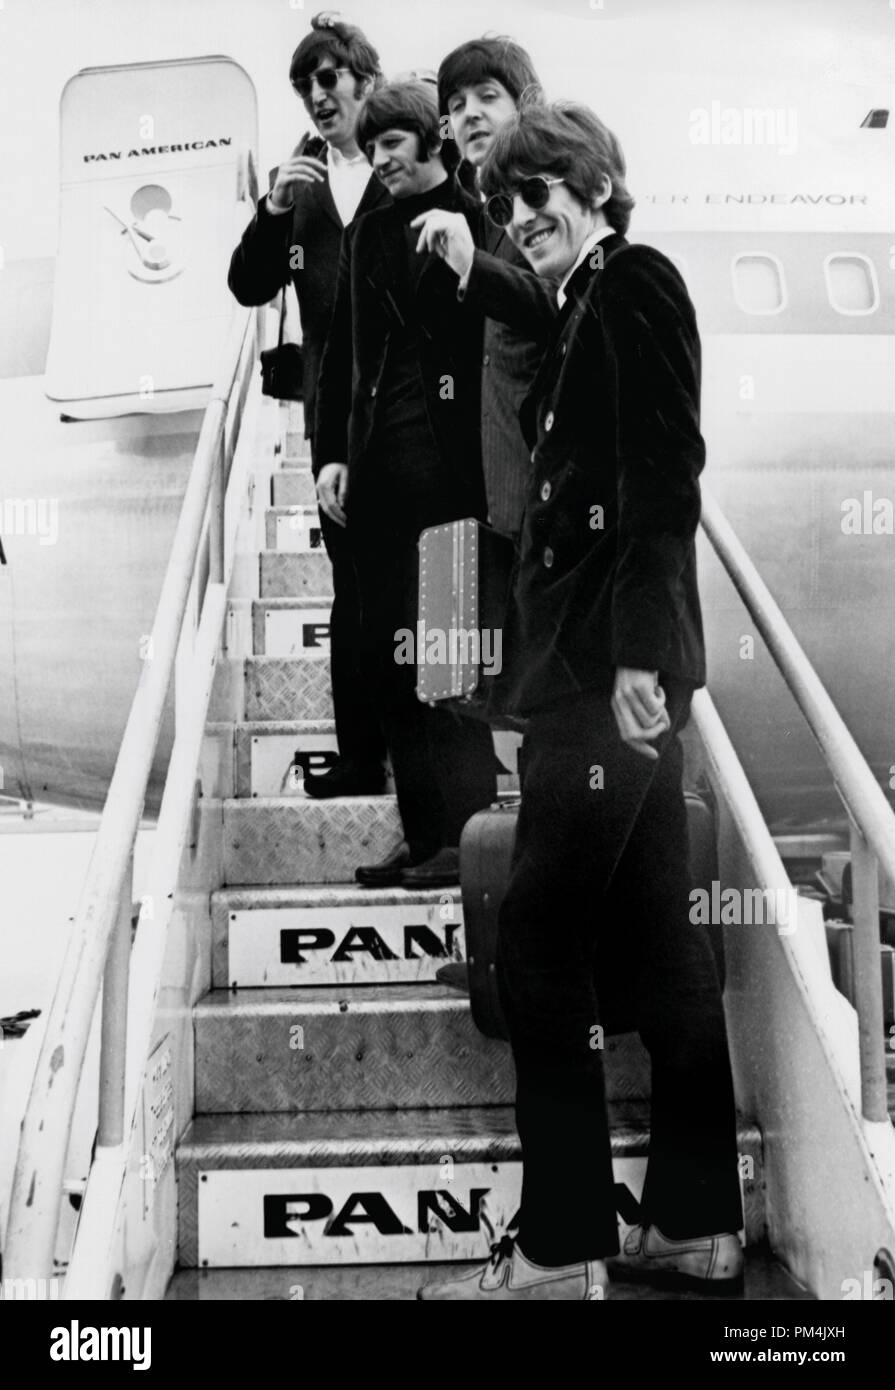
(373, 285)
(607, 570)
(260, 265)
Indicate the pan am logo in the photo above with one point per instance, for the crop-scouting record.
(148, 150)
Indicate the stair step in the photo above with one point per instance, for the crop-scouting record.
(265, 751)
(291, 627)
(270, 840)
(287, 687)
(293, 487)
(765, 1279)
(295, 576)
(294, 530)
(373, 1047)
(378, 1187)
(257, 933)
(364, 1047)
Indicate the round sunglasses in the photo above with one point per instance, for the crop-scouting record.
(326, 79)
(534, 192)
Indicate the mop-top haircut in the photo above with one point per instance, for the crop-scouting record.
(496, 57)
(344, 44)
(401, 106)
(564, 140)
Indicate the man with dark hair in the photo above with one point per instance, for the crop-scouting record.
(398, 442)
(295, 234)
(605, 649)
(481, 85)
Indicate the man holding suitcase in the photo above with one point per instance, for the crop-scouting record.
(605, 642)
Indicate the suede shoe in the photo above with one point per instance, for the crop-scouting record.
(345, 779)
(387, 873)
(712, 1263)
(508, 1276)
(442, 870)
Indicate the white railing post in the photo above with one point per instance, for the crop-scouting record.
(114, 1019)
(868, 984)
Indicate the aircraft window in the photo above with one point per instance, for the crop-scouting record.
(758, 284)
(876, 119)
(851, 284)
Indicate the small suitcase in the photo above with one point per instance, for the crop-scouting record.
(466, 572)
(486, 851)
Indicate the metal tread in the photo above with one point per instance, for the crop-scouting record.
(369, 1138)
(765, 1280)
(288, 602)
(327, 895)
(261, 727)
(287, 1001)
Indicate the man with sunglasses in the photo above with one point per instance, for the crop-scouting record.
(605, 648)
(295, 235)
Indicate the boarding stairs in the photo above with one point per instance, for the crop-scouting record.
(290, 1106)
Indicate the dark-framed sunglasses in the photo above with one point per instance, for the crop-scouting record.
(326, 79)
(534, 192)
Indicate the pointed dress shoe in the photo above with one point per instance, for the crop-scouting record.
(455, 974)
(508, 1276)
(441, 870)
(345, 779)
(387, 873)
(712, 1263)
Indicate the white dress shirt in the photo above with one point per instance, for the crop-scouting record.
(589, 244)
(347, 180)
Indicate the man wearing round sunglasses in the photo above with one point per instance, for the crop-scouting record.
(605, 647)
(316, 192)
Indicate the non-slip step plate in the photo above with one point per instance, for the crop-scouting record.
(378, 1047)
(287, 688)
(293, 487)
(380, 1187)
(295, 576)
(297, 840)
(333, 936)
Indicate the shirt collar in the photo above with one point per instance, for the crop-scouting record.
(338, 161)
(590, 242)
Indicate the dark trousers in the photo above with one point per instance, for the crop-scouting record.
(444, 764)
(596, 912)
(358, 729)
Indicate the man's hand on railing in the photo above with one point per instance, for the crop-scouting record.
(638, 703)
(332, 491)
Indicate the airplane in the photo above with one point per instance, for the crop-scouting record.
(789, 261)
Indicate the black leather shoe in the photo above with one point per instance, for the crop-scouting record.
(345, 779)
(456, 975)
(387, 873)
(441, 871)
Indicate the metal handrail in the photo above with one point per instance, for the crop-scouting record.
(872, 818)
(100, 919)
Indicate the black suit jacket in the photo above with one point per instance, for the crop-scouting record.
(260, 265)
(509, 363)
(376, 269)
(607, 570)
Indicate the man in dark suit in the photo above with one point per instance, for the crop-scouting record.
(605, 645)
(296, 234)
(398, 443)
(481, 84)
